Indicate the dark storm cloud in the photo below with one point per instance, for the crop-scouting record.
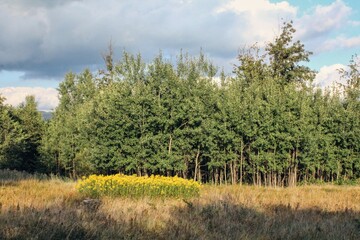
(49, 38)
(45, 39)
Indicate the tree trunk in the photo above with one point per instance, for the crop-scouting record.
(266, 175)
(258, 177)
(216, 176)
(186, 167)
(138, 171)
(231, 171)
(221, 176)
(241, 166)
(225, 175)
(197, 174)
(57, 163)
(292, 170)
(235, 172)
(170, 144)
(73, 169)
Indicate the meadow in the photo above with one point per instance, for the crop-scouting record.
(52, 208)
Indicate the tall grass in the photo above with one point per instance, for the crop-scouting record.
(53, 209)
(7, 175)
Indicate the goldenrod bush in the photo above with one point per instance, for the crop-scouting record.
(133, 186)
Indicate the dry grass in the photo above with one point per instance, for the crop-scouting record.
(52, 209)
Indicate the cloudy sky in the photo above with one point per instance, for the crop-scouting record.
(41, 40)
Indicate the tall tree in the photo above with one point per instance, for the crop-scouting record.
(32, 125)
(21, 131)
(286, 56)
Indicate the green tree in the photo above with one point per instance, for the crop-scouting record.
(65, 143)
(32, 126)
(21, 131)
(286, 56)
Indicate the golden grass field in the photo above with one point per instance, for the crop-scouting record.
(53, 209)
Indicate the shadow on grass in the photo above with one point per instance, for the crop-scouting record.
(218, 220)
(11, 178)
(7, 175)
(223, 220)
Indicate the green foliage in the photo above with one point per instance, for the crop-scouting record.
(20, 136)
(286, 56)
(266, 124)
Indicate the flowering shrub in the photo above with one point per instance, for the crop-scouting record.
(133, 186)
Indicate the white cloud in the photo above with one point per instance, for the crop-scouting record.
(47, 98)
(340, 42)
(324, 28)
(323, 20)
(258, 20)
(255, 6)
(354, 23)
(329, 75)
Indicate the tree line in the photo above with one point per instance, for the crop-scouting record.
(264, 124)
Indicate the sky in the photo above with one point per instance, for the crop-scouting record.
(42, 40)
